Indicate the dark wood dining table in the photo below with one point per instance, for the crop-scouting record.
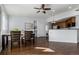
(5, 39)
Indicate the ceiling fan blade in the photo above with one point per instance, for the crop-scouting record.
(38, 11)
(47, 8)
(44, 12)
(37, 8)
(43, 5)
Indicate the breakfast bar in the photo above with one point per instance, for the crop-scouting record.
(64, 35)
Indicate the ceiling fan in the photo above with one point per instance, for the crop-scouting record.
(43, 9)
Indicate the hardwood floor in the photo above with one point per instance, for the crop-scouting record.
(43, 47)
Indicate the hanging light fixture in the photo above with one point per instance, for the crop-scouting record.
(53, 11)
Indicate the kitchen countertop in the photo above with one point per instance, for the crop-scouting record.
(66, 29)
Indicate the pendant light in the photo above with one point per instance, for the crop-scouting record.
(53, 15)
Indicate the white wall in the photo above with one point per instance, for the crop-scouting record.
(41, 23)
(19, 21)
(4, 21)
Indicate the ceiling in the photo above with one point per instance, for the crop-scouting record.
(27, 9)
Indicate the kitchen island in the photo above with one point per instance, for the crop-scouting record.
(64, 35)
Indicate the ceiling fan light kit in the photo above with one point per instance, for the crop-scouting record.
(42, 9)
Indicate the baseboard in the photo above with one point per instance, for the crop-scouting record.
(63, 42)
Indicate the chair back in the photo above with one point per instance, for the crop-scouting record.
(15, 35)
(28, 35)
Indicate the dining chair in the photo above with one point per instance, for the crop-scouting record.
(15, 38)
(28, 38)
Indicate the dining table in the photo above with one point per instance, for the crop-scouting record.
(5, 39)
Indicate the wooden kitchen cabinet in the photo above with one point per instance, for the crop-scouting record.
(65, 23)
